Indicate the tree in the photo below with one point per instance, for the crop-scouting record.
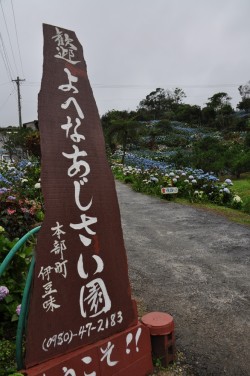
(109, 120)
(14, 142)
(122, 132)
(155, 102)
(208, 116)
(237, 160)
(176, 96)
(219, 105)
(218, 101)
(244, 104)
(245, 90)
(160, 101)
(153, 129)
(32, 143)
(247, 143)
(188, 114)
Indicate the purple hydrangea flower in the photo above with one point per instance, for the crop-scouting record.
(3, 190)
(18, 309)
(4, 291)
(11, 198)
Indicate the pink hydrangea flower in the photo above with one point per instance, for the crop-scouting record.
(4, 291)
(18, 309)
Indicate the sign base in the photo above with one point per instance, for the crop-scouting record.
(122, 354)
(161, 327)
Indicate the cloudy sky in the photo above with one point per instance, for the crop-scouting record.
(131, 47)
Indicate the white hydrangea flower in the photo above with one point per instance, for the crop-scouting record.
(228, 182)
(154, 179)
(226, 190)
(237, 199)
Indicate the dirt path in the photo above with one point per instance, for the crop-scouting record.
(194, 265)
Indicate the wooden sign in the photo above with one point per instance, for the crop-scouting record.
(169, 190)
(81, 291)
(123, 354)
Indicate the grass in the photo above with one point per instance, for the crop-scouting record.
(242, 186)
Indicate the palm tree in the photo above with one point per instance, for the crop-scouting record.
(122, 132)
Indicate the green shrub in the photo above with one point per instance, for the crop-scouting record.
(128, 179)
(7, 358)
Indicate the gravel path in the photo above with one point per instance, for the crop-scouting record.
(193, 265)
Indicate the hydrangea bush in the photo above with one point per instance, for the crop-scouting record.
(149, 176)
(21, 208)
(21, 204)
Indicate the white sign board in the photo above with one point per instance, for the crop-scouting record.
(169, 190)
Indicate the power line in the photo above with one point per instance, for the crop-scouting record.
(19, 52)
(7, 99)
(9, 38)
(32, 84)
(5, 58)
(4, 83)
(148, 86)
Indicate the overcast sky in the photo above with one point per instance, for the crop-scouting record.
(131, 47)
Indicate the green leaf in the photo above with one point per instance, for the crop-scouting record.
(9, 299)
(14, 317)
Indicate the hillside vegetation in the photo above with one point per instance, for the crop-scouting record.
(205, 153)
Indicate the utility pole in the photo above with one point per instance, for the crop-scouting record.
(17, 81)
